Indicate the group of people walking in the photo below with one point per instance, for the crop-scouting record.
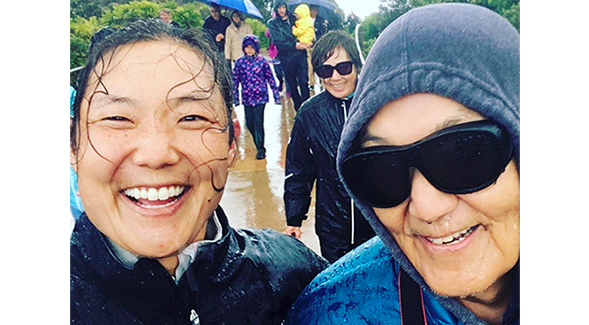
(419, 146)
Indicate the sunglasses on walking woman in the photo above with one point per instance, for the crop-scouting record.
(326, 71)
(460, 159)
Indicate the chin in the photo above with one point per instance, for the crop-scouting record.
(459, 290)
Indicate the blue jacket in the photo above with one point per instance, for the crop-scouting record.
(466, 53)
(362, 288)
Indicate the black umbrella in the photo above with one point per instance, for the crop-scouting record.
(328, 10)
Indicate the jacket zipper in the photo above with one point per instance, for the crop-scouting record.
(351, 200)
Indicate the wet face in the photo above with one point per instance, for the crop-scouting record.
(486, 221)
(235, 18)
(282, 11)
(249, 50)
(154, 149)
(338, 85)
(215, 13)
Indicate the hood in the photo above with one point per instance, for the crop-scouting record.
(252, 40)
(279, 3)
(303, 11)
(473, 60)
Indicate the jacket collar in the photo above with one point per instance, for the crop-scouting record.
(97, 254)
(214, 233)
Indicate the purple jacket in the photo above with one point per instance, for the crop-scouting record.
(253, 73)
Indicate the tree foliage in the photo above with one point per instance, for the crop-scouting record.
(390, 10)
(89, 16)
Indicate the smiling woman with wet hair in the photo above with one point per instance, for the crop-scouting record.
(430, 154)
(152, 143)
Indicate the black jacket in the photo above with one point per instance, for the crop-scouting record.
(281, 35)
(310, 156)
(246, 277)
(320, 27)
(214, 27)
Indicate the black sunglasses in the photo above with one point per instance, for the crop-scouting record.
(460, 159)
(326, 71)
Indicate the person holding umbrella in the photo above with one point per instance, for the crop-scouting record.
(291, 53)
(216, 25)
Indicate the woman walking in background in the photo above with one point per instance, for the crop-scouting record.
(234, 36)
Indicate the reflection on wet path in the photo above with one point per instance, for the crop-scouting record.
(253, 195)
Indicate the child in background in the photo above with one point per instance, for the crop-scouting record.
(253, 72)
(272, 53)
(304, 28)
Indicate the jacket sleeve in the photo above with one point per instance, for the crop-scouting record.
(270, 79)
(299, 30)
(229, 39)
(282, 41)
(248, 28)
(236, 81)
(301, 173)
(208, 29)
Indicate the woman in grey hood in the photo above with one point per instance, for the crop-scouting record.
(430, 153)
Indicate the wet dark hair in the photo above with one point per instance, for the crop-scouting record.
(328, 43)
(142, 31)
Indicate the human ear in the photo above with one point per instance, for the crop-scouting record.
(232, 155)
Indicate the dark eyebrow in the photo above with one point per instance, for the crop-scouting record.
(105, 99)
(192, 96)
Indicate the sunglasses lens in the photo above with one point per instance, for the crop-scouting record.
(378, 179)
(344, 68)
(464, 162)
(324, 71)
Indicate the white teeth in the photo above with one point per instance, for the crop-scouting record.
(454, 238)
(448, 239)
(437, 241)
(162, 193)
(154, 194)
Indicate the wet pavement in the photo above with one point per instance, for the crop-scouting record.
(253, 194)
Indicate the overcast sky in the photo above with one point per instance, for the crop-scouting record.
(362, 8)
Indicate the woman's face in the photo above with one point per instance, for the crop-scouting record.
(154, 150)
(235, 18)
(457, 268)
(337, 85)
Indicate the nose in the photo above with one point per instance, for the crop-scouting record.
(427, 202)
(335, 75)
(155, 149)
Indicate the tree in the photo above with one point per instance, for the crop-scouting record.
(509, 9)
(390, 10)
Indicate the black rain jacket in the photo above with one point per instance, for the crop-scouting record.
(213, 27)
(310, 157)
(246, 277)
(280, 31)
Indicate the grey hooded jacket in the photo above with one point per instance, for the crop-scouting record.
(466, 53)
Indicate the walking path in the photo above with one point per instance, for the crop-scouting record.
(253, 195)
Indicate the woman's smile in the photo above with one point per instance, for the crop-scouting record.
(154, 148)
